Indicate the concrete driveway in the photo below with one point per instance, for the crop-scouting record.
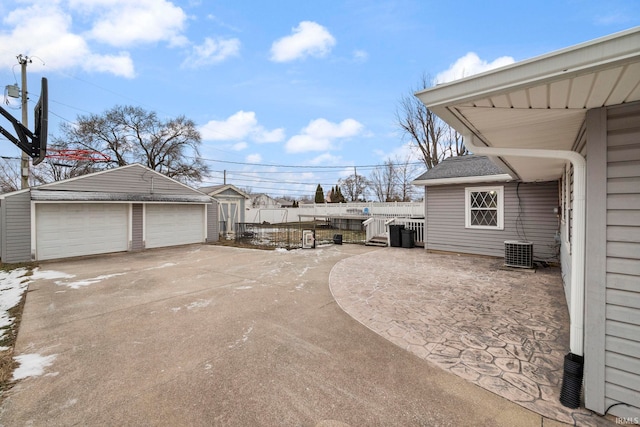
(210, 335)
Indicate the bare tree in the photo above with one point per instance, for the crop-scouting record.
(406, 171)
(354, 187)
(133, 135)
(10, 179)
(434, 138)
(384, 182)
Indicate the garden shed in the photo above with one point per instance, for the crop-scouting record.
(232, 204)
(123, 209)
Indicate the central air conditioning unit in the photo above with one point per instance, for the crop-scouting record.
(518, 254)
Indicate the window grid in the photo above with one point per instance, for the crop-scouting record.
(484, 207)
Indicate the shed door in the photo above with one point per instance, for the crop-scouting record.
(169, 225)
(229, 211)
(75, 229)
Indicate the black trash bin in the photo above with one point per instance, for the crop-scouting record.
(408, 238)
(395, 238)
(337, 239)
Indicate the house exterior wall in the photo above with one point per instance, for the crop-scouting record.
(528, 215)
(612, 297)
(16, 227)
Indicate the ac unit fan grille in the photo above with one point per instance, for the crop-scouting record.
(518, 254)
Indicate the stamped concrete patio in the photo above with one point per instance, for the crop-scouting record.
(504, 330)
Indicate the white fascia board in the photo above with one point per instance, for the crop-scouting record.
(463, 180)
(13, 193)
(598, 54)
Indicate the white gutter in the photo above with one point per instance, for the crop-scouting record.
(576, 308)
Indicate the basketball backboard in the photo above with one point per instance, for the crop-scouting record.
(34, 144)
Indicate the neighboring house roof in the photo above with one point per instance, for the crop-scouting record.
(217, 190)
(541, 103)
(462, 169)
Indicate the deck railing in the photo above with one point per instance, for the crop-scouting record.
(379, 227)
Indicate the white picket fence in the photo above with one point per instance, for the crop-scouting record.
(351, 209)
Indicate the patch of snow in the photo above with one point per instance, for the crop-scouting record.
(281, 250)
(32, 365)
(80, 283)
(165, 265)
(245, 337)
(240, 288)
(303, 272)
(201, 303)
(12, 285)
(300, 287)
(50, 274)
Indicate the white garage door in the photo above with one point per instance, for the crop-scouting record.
(75, 229)
(168, 225)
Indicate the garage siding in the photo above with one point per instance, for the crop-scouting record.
(137, 227)
(528, 215)
(213, 224)
(16, 228)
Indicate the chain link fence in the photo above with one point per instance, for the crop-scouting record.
(289, 236)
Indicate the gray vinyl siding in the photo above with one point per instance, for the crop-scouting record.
(528, 215)
(213, 223)
(16, 228)
(622, 295)
(128, 179)
(137, 225)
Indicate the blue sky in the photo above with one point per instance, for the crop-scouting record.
(286, 94)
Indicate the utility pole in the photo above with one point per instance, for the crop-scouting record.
(355, 178)
(24, 162)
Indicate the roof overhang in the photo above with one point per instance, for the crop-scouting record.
(541, 103)
(463, 180)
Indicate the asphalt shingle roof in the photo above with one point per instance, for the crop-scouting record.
(462, 166)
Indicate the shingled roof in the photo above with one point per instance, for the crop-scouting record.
(462, 169)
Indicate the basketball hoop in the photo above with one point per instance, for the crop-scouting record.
(79, 155)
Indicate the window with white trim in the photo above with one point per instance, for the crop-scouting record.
(484, 208)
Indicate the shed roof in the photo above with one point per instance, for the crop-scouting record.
(462, 169)
(217, 190)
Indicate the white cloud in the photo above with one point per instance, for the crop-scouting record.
(254, 158)
(239, 126)
(360, 55)
(308, 39)
(211, 52)
(124, 23)
(471, 64)
(326, 159)
(320, 134)
(43, 31)
(240, 146)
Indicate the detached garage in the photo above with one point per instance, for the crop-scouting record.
(122, 209)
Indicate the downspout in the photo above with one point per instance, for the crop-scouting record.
(576, 308)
